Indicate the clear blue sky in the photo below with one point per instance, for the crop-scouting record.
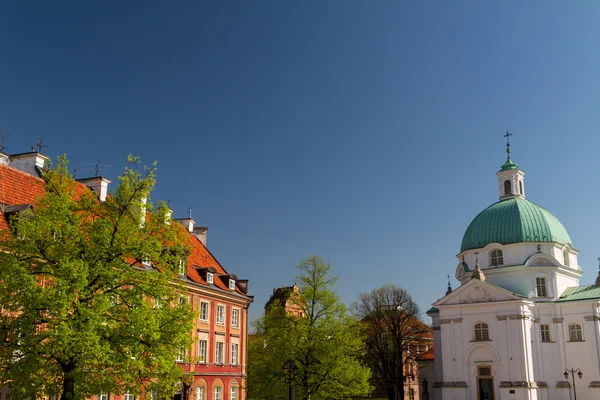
(367, 133)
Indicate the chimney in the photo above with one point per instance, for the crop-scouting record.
(30, 163)
(200, 232)
(187, 222)
(168, 216)
(98, 184)
(4, 158)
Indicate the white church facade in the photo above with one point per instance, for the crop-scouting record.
(519, 319)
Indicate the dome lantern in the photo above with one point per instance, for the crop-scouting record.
(510, 178)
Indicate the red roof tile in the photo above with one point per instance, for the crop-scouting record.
(18, 187)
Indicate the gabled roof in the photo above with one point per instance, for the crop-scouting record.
(477, 291)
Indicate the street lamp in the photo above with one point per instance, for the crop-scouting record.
(410, 377)
(573, 371)
(288, 369)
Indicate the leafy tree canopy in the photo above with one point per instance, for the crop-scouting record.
(81, 313)
(317, 353)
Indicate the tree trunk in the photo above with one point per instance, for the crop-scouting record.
(391, 393)
(68, 392)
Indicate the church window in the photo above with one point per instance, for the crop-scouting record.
(575, 333)
(507, 188)
(540, 287)
(520, 187)
(497, 258)
(481, 332)
(566, 256)
(545, 331)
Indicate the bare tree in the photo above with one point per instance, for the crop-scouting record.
(391, 319)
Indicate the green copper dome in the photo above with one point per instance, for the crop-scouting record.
(514, 220)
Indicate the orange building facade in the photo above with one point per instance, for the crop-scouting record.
(216, 363)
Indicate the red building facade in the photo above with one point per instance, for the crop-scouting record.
(216, 363)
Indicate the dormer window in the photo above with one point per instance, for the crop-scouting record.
(210, 277)
(181, 266)
(232, 284)
(146, 261)
(496, 258)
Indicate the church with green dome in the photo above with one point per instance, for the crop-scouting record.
(519, 316)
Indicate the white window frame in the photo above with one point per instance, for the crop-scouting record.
(233, 393)
(482, 332)
(220, 314)
(219, 352)
(146, 261)
(496, 257)
(180, 355)
(202, 351)
(541, 286)
(234, 353)
(232, 284)
(153, 394)
(575, 332)
(128, 396)
(183, 300)
(210, 277)
(181, 267)
(199, 392)
(102, 396)
(545, 332)
(203, 315)
(235, 317)
(218, 392)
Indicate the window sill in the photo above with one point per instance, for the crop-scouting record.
(575, 341)
(548, 341)
(480, 340)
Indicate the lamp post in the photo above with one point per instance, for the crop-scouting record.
(410, 377)
(573, 371)
(289, 371)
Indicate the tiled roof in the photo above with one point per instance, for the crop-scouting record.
(426, 356)
(18, 187)
(575, 293)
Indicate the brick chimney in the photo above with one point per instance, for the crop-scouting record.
(30, 163)
(98, 184)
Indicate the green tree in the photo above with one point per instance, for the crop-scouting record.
(88, 291)
(391, 320)
(316, 354)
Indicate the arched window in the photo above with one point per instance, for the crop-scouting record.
(520, 187)
(482, 331)
(507, 187)
(575, 334)
(566, 256)
(497, 258)
(218, 394)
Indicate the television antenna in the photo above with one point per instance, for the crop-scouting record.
(97, 167)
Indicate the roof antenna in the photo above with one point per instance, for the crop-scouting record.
(40, 145)
(97, 167)
(190, 212)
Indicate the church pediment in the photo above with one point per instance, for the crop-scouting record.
(476, 291)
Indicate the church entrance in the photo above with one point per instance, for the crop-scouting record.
(485, 383)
